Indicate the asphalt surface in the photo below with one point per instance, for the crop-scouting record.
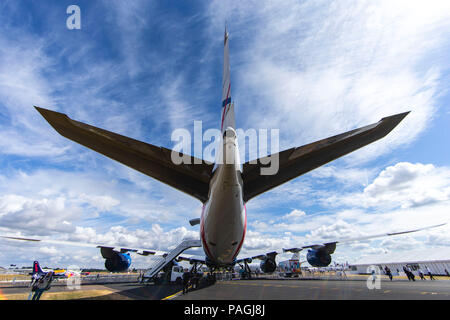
(320, 289)
(279, 290)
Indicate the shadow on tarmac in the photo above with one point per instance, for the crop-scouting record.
(146, 292)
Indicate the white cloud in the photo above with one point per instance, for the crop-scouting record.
(402, 185)
(295, 215)
(410, 185)
(314, 71)
(95, 193)
(311, 68)
(102, 203)
(37, 216)
(336, 231)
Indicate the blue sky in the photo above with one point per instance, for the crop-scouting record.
(310, 69)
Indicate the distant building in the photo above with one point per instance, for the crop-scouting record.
(437, 259)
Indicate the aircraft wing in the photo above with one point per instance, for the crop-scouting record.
(297, 161)
(330, 246)
(140, 251)
(151, 160)
(143, 252)
(322, 244)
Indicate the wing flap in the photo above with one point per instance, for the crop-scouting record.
(297, 161)
(192, 178)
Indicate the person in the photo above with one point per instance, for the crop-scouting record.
(186, 278)
(388, 272)
(42, 284)
(194, 280)
(429, 273)
(405, 270)
(33, 284)
(374, 276)
(411, 274)
(421, 274)
(446, 272)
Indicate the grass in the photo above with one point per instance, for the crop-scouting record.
(71, 295)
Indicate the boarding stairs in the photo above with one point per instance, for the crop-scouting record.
(159, 264)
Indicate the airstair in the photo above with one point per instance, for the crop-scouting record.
(159, 264)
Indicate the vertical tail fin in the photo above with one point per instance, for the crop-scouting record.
(36, 268)
(228, 119)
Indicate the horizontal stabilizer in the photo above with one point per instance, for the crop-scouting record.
(191, 177)
(297, 161)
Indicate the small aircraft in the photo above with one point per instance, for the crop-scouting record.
(223, 187)
(57, 273)
(37, 270)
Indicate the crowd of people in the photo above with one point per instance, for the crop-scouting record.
(409, 273)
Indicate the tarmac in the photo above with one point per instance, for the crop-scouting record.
(271, 289)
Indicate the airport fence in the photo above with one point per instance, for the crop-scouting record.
(305, 275)
(20, 282)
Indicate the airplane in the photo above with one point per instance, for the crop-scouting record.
(222, 188)
(37, 271)
(57, 273)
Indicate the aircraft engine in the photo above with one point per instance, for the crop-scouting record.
(268, 265)
(116, 261)
(318, 258)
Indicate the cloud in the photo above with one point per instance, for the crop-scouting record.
(155, 238)
(37, 216)
(314, 72)
(294, 215)
(336, 231)
(403, 185)
(349, 177)
(313, 69)
(410, 185)
(102, 203)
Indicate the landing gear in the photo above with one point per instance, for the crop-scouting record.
(246, 272)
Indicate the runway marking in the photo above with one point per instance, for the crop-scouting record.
(425, 292)
(387, 291)
(173, 295)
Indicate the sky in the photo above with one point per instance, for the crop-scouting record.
(311, 69)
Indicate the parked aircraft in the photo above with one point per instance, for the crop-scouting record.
(223, 187)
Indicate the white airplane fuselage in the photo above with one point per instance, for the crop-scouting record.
(223, 222)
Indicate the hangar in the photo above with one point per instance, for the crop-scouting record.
(437, 260)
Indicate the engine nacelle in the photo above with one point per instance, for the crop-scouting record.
(318, 258)
(268, 265)
(118, 262)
